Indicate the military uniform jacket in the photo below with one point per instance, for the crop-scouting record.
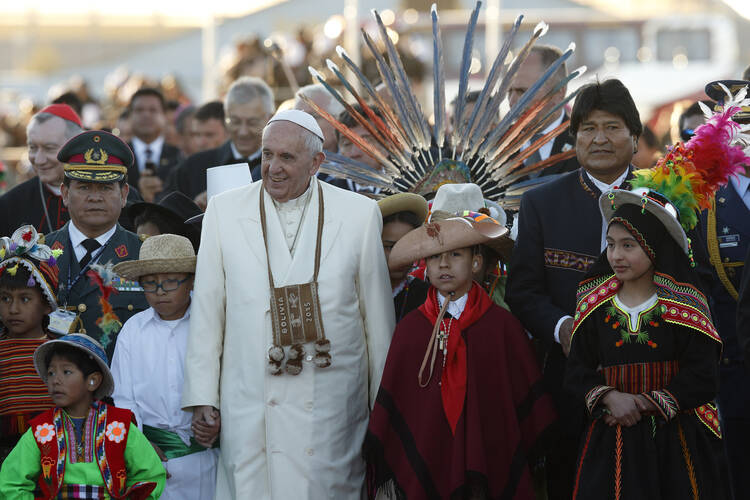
(732, 223)
(189, 177)
(559, 238)
(83, 295)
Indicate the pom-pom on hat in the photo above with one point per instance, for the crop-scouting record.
(96, 156)
(686, 179)
(438, 236)
(90, 347)
(26, 248)
(63, 111)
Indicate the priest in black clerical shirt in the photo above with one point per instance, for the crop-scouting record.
(248, 106)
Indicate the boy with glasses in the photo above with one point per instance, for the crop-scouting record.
(148, 366)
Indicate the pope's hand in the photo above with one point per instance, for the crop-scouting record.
(206, 425)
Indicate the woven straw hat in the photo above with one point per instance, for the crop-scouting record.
(91, 347)
(164, 253)
(404, 202)
(442, 235)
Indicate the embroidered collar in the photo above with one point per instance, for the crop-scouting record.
(682, 304)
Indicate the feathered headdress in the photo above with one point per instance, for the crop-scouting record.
(419, 158)
(685, 181)
(26, 248)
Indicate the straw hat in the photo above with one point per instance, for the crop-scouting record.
(404, 202)
(442, 235)
(164, 253)
(91, 347)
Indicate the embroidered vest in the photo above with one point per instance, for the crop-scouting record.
(110, 439)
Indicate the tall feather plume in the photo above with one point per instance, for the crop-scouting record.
(403, 114)
(463, 81)
(372, 123)
(487, 90)
(438, 77)
(491, 151)
(523, 102)
(690, 174)
(490, 112)
(413, 107)
(393, 123)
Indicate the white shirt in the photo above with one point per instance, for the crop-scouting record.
(77, 237)
(456, 307)
(139, 148)
(635, 311)
(292, 213)
(148, 368)
(546, 150)
(604, 188)
(237, 153)
(601, 186)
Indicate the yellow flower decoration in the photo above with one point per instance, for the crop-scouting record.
(57, 252)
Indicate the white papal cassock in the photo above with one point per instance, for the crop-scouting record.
(287, 436)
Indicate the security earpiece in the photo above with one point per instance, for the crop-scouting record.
(91, 382)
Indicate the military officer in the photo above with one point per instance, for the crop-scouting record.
(725, 240)
(95, 190)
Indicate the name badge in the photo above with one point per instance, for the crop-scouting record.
(729, 240)
(62, 322)
(123, 285)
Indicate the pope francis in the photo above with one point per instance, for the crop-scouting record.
(293, 390)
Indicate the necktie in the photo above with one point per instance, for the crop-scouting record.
(90, 244)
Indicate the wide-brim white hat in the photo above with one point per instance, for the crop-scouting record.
(653, 201)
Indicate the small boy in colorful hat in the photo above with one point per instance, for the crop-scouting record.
(28, 280)
(458, 402)
(83, 447)
(148, 366)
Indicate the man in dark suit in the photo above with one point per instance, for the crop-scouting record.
(743, 314)
(724, 241)
(94, 191)
(154, 158)
(539, 59)
(561, 234)
(248, 105)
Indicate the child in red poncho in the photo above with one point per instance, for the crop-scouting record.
(460, 406)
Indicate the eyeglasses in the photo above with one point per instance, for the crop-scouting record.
(166, 285)
(252, 123)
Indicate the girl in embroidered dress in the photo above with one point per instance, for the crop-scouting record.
(644, 354)
(82, 448)
(459, 409)
(28, 280)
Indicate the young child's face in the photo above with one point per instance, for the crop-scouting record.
(625, 255)
(171, 303)
(452, 271)
(22, 311)
(68, 387)
(392, 232)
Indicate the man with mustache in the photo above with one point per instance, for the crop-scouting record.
(561, 233)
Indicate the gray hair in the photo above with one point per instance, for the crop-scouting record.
(248, 88)
(313, 143)
(71, 129)
(318, 93)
